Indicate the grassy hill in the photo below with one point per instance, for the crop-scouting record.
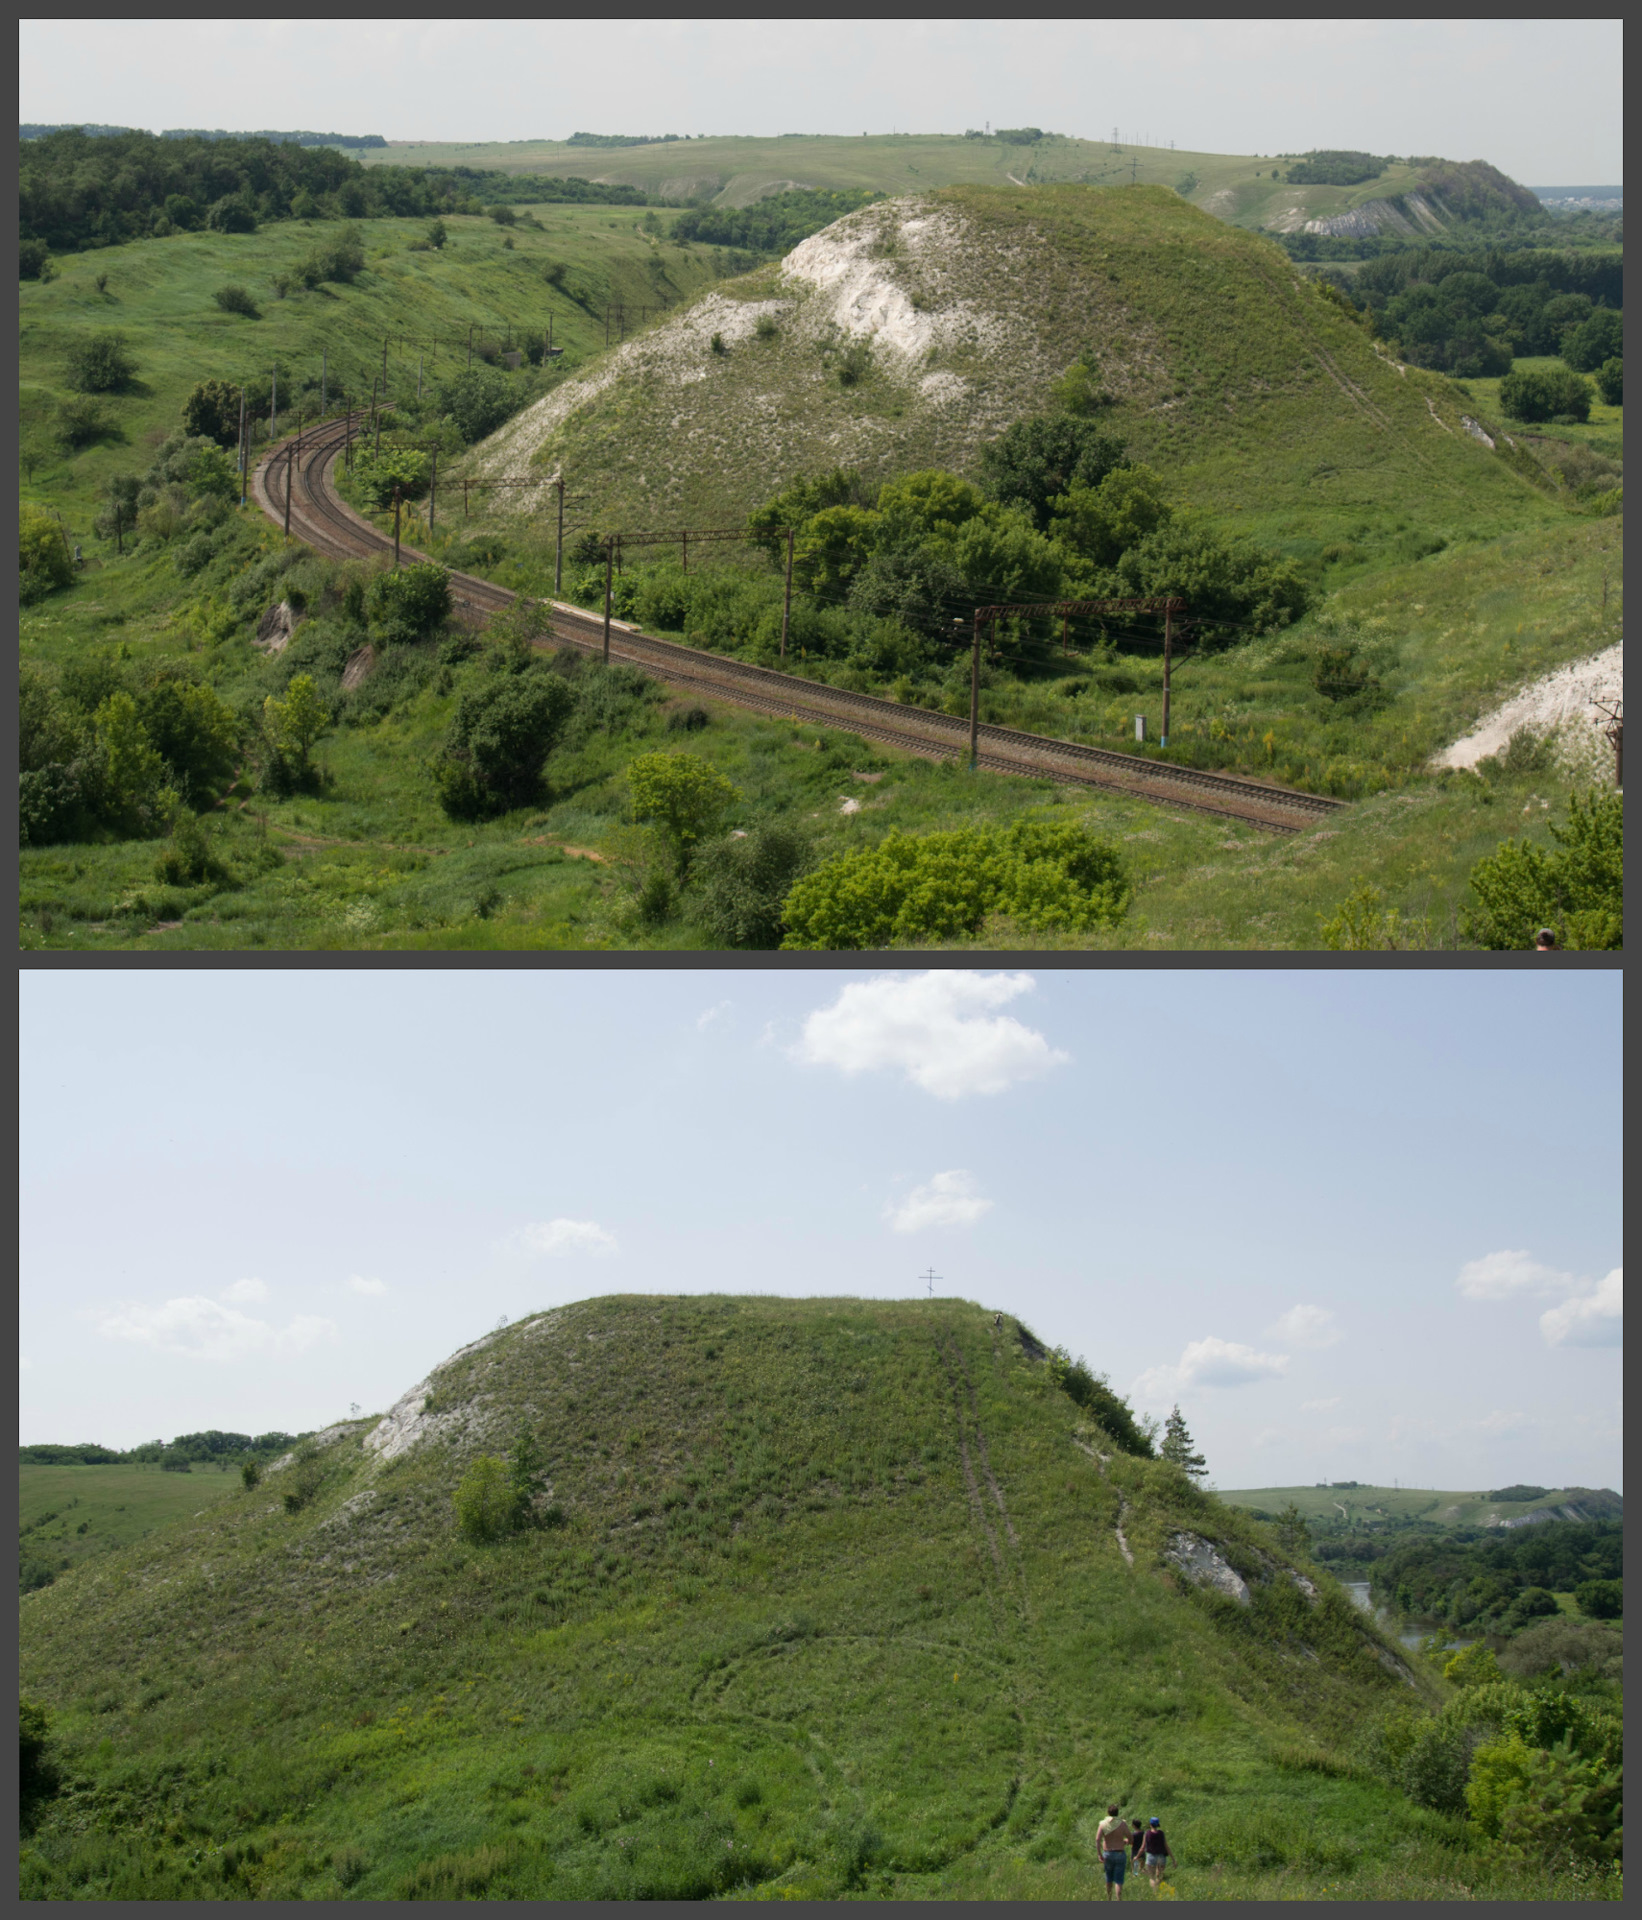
(828, 1596)
(1443, 1509)
(1262, 402)
(68, 1514)
(1243, 189)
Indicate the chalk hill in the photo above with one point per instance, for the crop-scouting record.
(910, 332)
(824, 1594)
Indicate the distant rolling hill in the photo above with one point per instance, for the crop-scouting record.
(1367, 1504)
(1251, 190)
(825, 1596)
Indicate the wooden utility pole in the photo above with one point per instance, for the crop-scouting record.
(558, 546)
(786, 603)
(975, 697)
(273, 409)
(609, 568)
(396, 524)
(1168, 644)
(289, 452)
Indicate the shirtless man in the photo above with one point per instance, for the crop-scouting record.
(1112, 1839)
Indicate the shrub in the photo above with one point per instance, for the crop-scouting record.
(436, 235)
(341, 260)
(408, 603)
(716, 345)
(250, 1473)
(480, 400)
(306, 1476)
(1576, 888)
(188, 859)
(1593, 341)
(854, 363)
(296, 722)
(1435, 1772)
(740, 885)
(235, 299)
(233, 213)
(406, 468)
(1035, 461)
(1601, 1599)
(80, 423)
(1535, 394)
(43, 554)
(486, 1505)
(1610, 381)
(499, 737)
(211, 412)
(939, 886)
(101, 364)
(682, 796)
(34, 260)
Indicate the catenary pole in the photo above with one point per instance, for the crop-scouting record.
(558, 545)
(609, 568)
(1168, 649)
(975, 697)
(786, 603)
(433, 491)
(396, 525)
(244, 448)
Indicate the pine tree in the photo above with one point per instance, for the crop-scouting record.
(1177, 1446)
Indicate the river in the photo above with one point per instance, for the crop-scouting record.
(1409, 1636)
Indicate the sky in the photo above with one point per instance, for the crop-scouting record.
(1358, 1226)
(1538, 98)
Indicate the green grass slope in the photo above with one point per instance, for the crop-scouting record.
(1242, 189)
(1262, 403)
(836, 1602)
(69, 1513)
(159, 293)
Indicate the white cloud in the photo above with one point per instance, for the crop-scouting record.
(245, 1290)
(1319, 1406)
(1223, 1363)
(566, 1236)
(1304, 1326)
(1499, 1276)
(937, 1028)
(1594, 1319)
(712, 1015)
(199, 1329)
(949, 1200)
(362, 1283)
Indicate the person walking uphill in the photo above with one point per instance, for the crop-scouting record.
(1112, 1839)
(1153, 1849)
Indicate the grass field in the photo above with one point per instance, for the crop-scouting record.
(1238, 188)
(69, 1514)
(836, 1607)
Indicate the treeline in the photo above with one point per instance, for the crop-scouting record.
(1502, 1580)
(79, 191)
(32, 130)
(178, 1455)
(772, 225)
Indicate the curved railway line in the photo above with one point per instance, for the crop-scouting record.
(327, 523)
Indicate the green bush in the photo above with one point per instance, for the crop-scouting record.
(80, 423)
(486, 1501)
(481, 400)
(407, 468)
(101, 363)
(1034, 462)
(941, 886)
(212, 411)
(1595, 340)
(305, 1476)
(43, 554)
(682, 797)
(34, 260)
(341, 260)
(1534, 394)
(741, 885)
(1577, 887)
(501, 733)
(1610, 381)
(189, 859)
(408, 603)
(1601, 1599)
(236, 299)
(250, 1473)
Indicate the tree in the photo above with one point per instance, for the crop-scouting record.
(131, 769)
(1293, 1535)
(682, 797)
(480, 400)
(1178, 1447)
(1585, 347)
(1601, 1599)
(499, 736)
(1100, 524)
(1578, 888)
(436, 235)
(211, 412)
(101, 364)
(408, 603)
(742, 885)
(250, 1473)
(1610, 381)
(1034, 461)
(236, 299)
(485, 1500)
(298, 720)
(43, 554)
(1545, 393)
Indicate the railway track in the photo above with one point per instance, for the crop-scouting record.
(321, 519)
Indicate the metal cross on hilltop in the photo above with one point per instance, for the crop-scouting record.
(931, 1277)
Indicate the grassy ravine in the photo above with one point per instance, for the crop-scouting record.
(776, 1649)
(1238, 188)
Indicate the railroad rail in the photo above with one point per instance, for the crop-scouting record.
(322, 520)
